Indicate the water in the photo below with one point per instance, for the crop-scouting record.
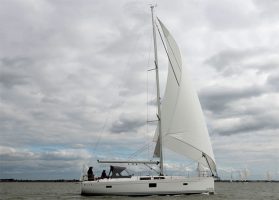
(228, 191)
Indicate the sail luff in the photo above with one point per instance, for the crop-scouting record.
(170, 61)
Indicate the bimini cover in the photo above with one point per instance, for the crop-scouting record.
(115, 171)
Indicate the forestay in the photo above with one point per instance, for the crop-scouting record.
(183, 127)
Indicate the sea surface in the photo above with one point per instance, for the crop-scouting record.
(230, 191)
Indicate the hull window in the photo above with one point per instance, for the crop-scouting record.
(152, 185)
(185, 183)
(145, 178)
(108, 186)
(159, 177)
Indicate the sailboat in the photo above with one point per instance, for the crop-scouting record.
(181, 128)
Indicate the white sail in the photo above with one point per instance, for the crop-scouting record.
(183, 127)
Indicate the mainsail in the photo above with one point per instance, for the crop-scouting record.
(183, 127)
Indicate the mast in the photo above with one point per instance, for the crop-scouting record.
(158, 92)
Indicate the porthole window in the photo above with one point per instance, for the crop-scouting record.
(151, 185)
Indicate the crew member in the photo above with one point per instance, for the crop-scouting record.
(104, 175)
(90, 174)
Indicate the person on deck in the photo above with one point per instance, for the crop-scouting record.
(104, 175)
(90, 174)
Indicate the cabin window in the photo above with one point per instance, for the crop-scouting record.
(151, 185)
(159, 177)
(145, 178)
(185, 183)
(108, 186)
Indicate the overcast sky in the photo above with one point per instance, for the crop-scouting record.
(74, 82)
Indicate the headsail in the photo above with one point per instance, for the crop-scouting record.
(183, 127)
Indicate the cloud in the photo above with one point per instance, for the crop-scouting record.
(245, 124)
(240, 111)
(18, 162)
(222, 14)
(13, 73)
(273, 82)
(73, 72)
(218, 99)
(234, 61)
(127, 123)
(246, 81)
(268, 9)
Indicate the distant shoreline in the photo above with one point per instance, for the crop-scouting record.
(75, 180)
(247, 181)
(25, 180)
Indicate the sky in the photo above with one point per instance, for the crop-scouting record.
(74, 85)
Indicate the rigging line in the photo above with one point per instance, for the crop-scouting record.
(100, 135)
(205, 156)
(147, 110)
(193, 162)
(151, 121)
(167, 54)
(152, 168)
(147, 85)
(140, 150)
(147, 101)
(136, 152)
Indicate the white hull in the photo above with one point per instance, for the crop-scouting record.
(135, 186)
